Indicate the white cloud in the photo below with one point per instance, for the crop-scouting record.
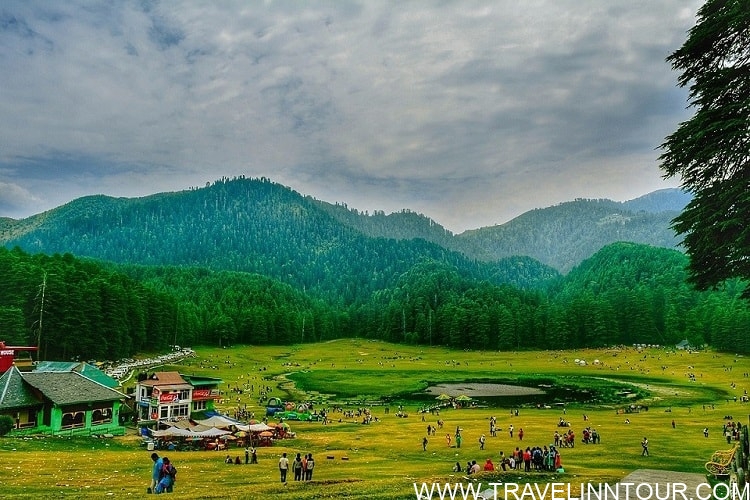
(453, 109)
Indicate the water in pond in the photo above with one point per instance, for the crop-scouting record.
(503, 395)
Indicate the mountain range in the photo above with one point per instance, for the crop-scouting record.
(243, 217)
(254, 262)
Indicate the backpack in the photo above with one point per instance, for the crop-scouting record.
(172, 472)
(310, 464)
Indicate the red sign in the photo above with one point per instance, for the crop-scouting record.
(169, 397)
(201, 394)
(8, 355)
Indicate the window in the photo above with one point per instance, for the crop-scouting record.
(164, 412)
(199, 405)
(179, 411)
(184, 394)
(101, 416)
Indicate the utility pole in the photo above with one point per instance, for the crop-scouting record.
(42, 291)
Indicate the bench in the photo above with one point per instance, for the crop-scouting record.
(721, 462)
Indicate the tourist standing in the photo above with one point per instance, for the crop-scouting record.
(644, 445)
(283, 467)
(310, 467)
(167, 477)
(297, 467)
(155, 471)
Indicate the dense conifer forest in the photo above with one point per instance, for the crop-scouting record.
(252, 262)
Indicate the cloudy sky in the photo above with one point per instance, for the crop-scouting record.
(470, 112)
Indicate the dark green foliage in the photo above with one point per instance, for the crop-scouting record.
(87, 310)
(711, 151)
(6, 424)
(252, 262)
(564, 235)
(630, 293)
(251, 226)
(625, 294)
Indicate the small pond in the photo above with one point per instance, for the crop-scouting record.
(503, 394)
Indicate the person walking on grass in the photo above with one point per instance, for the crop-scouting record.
(283, 467)
(644, 445)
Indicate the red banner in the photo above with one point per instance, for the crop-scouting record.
(169, 397)
(201, 394)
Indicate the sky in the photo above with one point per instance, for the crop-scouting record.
(469, 112)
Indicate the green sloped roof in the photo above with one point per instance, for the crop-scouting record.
(15, 392)
(64, 388)
(55, 366)
(85, 369)
(201, 381)
(95, 374)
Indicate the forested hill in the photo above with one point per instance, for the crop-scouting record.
(252, 226)
(260, 226)
(564, 235)
(625, 294)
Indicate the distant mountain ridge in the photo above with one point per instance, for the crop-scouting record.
(559, 236)
(259, 226)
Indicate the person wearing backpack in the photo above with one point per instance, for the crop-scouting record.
(167, 477)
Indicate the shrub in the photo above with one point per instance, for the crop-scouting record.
(6, 424)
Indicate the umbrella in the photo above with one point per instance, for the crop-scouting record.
(228, 437)
(443, 397)
(463, 397)
(241, 434)
(266, 434)
(283, 425)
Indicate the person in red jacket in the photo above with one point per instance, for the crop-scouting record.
(488, 465)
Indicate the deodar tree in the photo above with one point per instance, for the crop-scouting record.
(711, 151)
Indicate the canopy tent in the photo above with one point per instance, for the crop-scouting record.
(219, 421)
(463, 397)
(256, 427)
(176, 431)
(443, 397)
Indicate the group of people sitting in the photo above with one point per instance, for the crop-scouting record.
(472, 467)
(532, 458)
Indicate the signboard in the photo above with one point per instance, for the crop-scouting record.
(169, 397)
(201, 394)
(8, 354)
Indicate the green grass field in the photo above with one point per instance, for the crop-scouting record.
(385, 458)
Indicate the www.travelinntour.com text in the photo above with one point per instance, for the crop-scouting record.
(580, 491)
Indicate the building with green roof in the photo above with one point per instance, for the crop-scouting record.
(59, 402)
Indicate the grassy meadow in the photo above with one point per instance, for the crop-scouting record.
(384, 459)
